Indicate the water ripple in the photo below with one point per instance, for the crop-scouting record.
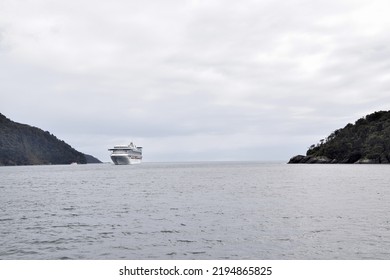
(195, 211)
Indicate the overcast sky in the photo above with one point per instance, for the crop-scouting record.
(194, 80)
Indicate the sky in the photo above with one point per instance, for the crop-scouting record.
(193, 80)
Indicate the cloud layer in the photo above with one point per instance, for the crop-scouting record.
(194, 80)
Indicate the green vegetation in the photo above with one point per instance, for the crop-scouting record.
(21, 144)
(366, 141)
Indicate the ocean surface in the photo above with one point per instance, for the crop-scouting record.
(205, 210)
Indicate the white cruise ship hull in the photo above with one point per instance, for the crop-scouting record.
(124, 160)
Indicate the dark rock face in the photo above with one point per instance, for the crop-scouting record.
(298, 159)
(21, 144)
(322, 159)
(310, 159)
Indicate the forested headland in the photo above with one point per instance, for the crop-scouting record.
(22, 144)
(365, 141)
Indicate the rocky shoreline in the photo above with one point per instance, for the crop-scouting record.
(325, 160)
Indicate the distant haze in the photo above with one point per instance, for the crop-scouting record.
(194, 80)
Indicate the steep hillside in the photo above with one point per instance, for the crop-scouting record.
(21, 144)
(366, 141)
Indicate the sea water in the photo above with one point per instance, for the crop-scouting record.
(205, 210)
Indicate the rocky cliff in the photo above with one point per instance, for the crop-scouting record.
(21, 144)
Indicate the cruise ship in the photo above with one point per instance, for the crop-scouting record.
(126, 154)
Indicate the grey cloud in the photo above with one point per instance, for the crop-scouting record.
(249, 74)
